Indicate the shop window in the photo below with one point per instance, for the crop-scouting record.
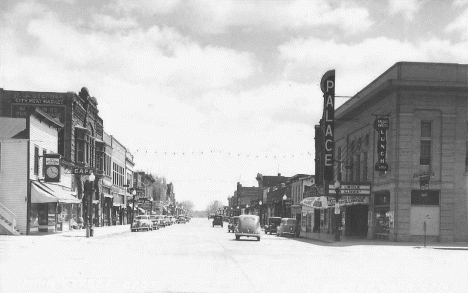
(382, 220)
(366, 141)
(36, 160)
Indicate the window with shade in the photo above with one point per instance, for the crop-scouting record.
(426, 143)
(36, 160)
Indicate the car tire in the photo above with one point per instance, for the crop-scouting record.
(258, 238)
(237, 237)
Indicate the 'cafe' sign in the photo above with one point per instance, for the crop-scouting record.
(327, 85)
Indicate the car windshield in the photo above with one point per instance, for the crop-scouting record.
(248, 220)
(275, 221)
(291, 222)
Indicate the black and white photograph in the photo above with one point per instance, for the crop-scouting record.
(228, 146)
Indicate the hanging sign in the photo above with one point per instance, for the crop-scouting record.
(381, 125)
(327, 86)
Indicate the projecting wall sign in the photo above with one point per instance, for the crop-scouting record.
(327, 85)
(381, 125)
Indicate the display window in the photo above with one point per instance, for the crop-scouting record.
(382, 221)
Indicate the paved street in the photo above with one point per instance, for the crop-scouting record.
(196, 257)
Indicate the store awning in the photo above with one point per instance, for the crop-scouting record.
(44, 193)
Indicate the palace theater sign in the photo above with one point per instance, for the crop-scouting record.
(327, 85)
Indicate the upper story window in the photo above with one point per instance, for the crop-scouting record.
(0, 156)
(426, 143)
(339, 164)
(80, 146)
(364, 167)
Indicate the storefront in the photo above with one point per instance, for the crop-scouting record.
(52, 207)
(380, 218)
(318, 217)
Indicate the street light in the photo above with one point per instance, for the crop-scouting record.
(337, 187)
(89, 187)
(133, 210)
(247, 209)
(284, 206)
(260, 211)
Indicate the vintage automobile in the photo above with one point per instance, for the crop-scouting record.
(155, 221)
(142, 222)
(218, 221)
(273, 223)
(249, 226)
(181, 219)
(162, 222)
(233, 221)
(288, 227)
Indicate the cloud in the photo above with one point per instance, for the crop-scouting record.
(359, 63)
(216, 17)
(460, 25)
(406, 7)
(458, 3)
(146, 56)
(107, 22)
(148, 7)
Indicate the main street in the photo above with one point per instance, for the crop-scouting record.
(196, 257)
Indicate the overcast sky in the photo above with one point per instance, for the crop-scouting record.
(209, 93)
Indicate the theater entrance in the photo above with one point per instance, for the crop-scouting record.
(356, 221)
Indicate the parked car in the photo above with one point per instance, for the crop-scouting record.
(162, 221)
(181, 219)
(233, 221)
(155, 221)
(218, 221)
(288, 227)
(142, 222)
(249, 225)
(272, 226)
(166, 220)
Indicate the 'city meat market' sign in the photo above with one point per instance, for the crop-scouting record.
(327, 85)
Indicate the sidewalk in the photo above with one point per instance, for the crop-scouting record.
(376, 242)
(97, 231)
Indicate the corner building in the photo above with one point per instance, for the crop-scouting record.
(426, 152)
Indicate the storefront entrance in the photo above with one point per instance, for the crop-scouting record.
(356, 220)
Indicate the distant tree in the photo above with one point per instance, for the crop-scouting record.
(187, 205)
(212, 208)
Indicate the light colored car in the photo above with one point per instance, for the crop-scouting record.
(142, 222)
(162, 221)
(288, 226)
(155, 221)
(249, 226)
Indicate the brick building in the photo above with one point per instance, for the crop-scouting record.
(425, 149)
